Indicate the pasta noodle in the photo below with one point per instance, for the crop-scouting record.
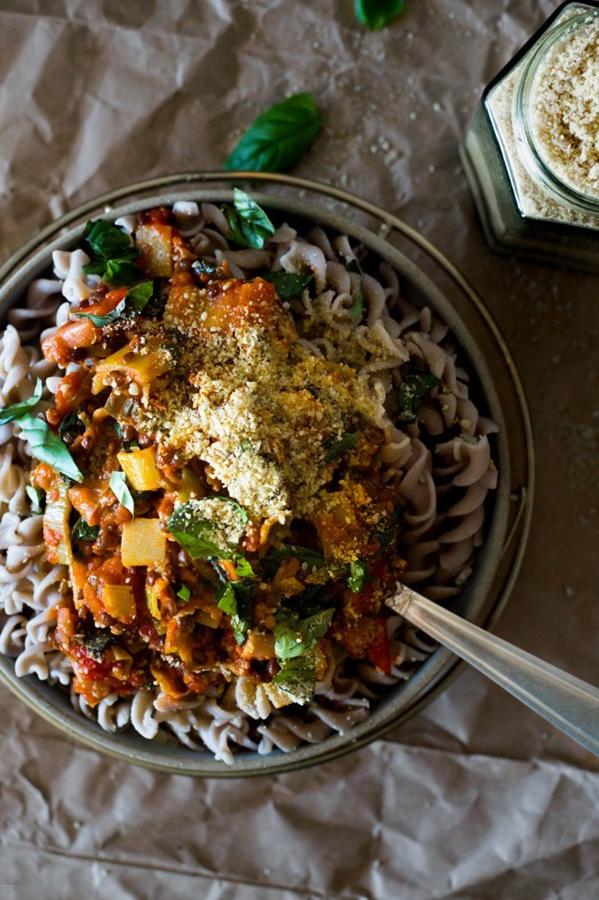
(439, 465)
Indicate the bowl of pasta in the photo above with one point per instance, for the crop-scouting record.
(231, 421)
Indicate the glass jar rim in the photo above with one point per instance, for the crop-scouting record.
(533, 157)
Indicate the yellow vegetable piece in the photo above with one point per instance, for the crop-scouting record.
(119, 602)
(143, 543)
(191, 486)
(152, 601)
(57, 534)
(120, 654)
(140, 368)
(140, 468)
(155, 244)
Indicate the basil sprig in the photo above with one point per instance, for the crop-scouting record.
(413, 389)
(120, 489)
(335, 449)
(16, 410)
(375, 14)
(47, 447)
(199, 536)
(137, 298)
(279, 137)
(289, 284)
(113, 255)
(249, 226)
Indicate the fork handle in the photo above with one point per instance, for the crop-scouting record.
(567, 702)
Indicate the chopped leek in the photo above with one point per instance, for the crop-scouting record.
(143, 543)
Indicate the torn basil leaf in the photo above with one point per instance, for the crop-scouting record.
(113, 254)
(375, 14)
(96, 640)
(413, 389)
(249, 226)
(120, 489)
(335, 449)
(16, 410)
(183, 593)
(312, 558)
(358, 576)
(297, 677)
(294, 636)
(197, 534)
(279, 137)
(71, 428)
(289, 284)
(36, 499)
(81, 531)
(47, 447)
(137, 298)
(235, 599)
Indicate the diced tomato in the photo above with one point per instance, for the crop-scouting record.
(379, 652)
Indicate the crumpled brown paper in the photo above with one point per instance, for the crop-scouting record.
(476, 797)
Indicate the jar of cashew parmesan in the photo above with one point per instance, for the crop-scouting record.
(531, 152)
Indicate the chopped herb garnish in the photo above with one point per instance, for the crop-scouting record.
(413, 389)
(184, 593)
(81, 531)
(16, 410)
(201, 537)
(375, 14)
(358, 576)
(335, 449)
(96, 641)
(289, 284)
(294, 636)
(249, 226)
(113, 254)
(47, 447)
(279, 137)
(71, 427)
(137, 298)
(297, 677)
(312, 558)
(120, 489)
(36, 499)
(235, 599)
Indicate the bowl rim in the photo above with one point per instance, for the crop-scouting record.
(16, 273)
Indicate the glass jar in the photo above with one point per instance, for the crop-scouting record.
(532, 197)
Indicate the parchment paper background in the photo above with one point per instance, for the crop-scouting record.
(476, 797)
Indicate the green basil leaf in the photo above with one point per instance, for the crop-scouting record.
(121, 272)
(71, 427)
(279, 137)
(312, 558)
(101, 321)
(96, 640)
(81, 531)
(47, 447)
(243, 566)
(120, 489)
(36, 499)
(294, 636)
(235, 599)
(314, 599)
(413, 389)
(375, 14)
(387, 535)
(137, 298)
(196, 534)
(297, 677)
(107, 240)
(15, 410)
(139, 295)
(289, 284)
(184, 593)
(358, 576)
(335, 449)
(249, 226)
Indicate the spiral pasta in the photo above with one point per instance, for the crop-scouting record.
(440, 466)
